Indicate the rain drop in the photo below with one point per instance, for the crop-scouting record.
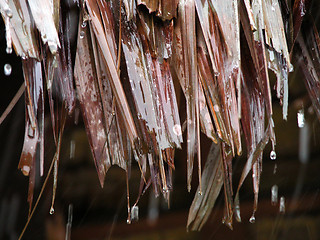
(252, 219)
(25, 170)
(273, 155)
(76, 116)
(291, 68)
(237, 212)
(72, 149)
(84, 24)
(274, 195)
(53, 47)
(177, 129)
(51, 211)
(165, 190)
(82, 34)
(7, 69)
(300, 117)
(8, 12)
(275, 169)
(55, 62)
(282, 207)
(9, 50)
(134, 213)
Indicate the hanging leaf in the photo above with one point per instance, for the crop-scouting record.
(212, 181)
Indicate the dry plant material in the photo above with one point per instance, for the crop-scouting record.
(130, 58)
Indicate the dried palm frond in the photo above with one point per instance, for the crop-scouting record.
(129, 57)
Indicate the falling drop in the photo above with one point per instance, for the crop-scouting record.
(273, 155)
(252, 219)
(82, 34)
(200, 193)
(69, 223)
(274, 195)
(76, 116)
(300, 117)
(282, 207)
(275, 169)
(51, 211)
(128, 221)
(72, 149)
(9, 50)
(135, 213)
(7, 69)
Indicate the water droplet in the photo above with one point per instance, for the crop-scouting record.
(44, 37)
(7, 69)
(135, 213)
(177, 129)
(8, 12)
(84, 24)
(31, 131)
(274, 195)
(252, 219)
(300, 117)
(216, 108)
(165, 190)
(237, 212)
(51, 211)
(9, 50)
(282, 207)
(200, 193)
(72, 149)
(273, 155)
(49, 84)
(76, 116)
(275, 169)
(217, 74)
(82, 34)
(53, 47)
(291, 68)
(271, 55)
(25, 170)
(128, 221)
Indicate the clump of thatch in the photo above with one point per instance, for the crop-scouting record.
(130, 54)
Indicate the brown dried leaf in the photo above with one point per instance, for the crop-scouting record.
(111, 67)
(90, 102)
(185, 63)
(307, 54)
(212, 181)
(21, 29)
